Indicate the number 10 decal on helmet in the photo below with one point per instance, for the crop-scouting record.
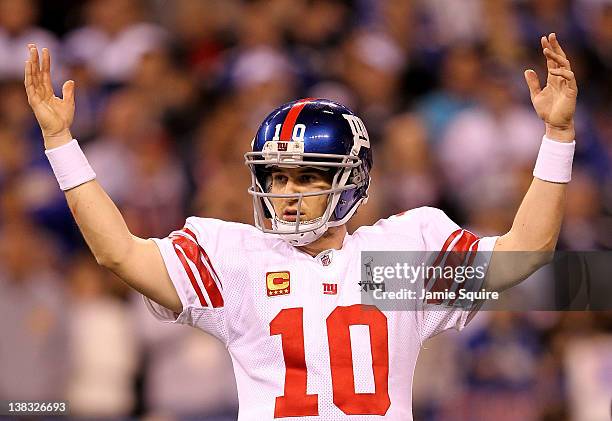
(310, 133)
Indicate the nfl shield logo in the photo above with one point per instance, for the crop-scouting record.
(325, 260)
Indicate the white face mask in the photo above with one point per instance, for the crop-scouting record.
(301, 232)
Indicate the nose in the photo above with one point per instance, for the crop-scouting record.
(292, 187)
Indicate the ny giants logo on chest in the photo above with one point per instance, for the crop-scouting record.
(330, 289)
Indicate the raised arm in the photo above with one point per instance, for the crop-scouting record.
(135, 260)
(537, 223)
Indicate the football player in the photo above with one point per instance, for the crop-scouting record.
(283, 295)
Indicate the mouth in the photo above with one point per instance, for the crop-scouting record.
(290, 215)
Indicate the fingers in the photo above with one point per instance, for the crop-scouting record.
(38, 78)
(35, 65)
(68, 91)
(568, 75)
(532, 82)
(46, 73)
(27, 73)
(30, 78)
(29, 85)
(46, 60)
(552, 38)
(564, 73)
(550, 63)
(557, 58)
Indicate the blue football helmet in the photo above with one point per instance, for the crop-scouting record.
(310, 133)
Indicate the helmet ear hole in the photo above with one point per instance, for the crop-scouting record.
(330, 175)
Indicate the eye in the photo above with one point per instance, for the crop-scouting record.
(279, 178)
(308, 178)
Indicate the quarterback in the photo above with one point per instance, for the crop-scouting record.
(282, 295)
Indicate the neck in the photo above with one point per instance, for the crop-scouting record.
(332, 239)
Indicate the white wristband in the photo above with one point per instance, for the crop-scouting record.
(554, 161)
(70, 165)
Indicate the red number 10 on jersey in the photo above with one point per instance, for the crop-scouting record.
(295, 402)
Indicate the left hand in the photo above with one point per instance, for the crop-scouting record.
(556, 103)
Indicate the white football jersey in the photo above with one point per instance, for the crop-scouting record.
(301, 342)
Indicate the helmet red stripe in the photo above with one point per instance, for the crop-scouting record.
(291, 118)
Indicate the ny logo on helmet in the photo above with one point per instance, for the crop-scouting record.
(360, 134)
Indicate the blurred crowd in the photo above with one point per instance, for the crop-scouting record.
(168, 98)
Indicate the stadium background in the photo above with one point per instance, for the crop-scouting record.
(169, 95)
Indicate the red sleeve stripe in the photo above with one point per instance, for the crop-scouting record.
(287, 130)
(473, 250)
(462, 258)
(463, 246)
(465, 242)
(204, 279)
(205, 255)
(189, 235)
(193, 253)
(445, 246)
(439, 284)
(190, 275)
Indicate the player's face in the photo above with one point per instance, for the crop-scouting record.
(300, 180)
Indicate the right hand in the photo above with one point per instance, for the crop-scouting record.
(556, 103)
(54, 114)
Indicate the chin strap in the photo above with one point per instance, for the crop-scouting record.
(299, 238)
